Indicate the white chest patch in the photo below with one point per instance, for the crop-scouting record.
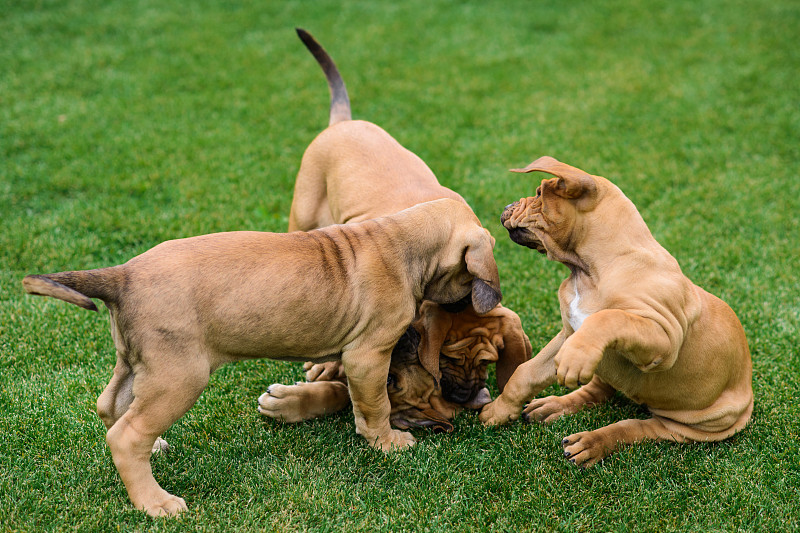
(576, 315)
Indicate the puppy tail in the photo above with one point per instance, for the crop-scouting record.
(340, 102)
(78, 287)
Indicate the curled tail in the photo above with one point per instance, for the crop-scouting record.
(340, 103)
(78, 287)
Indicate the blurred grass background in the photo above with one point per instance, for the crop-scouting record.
(123, 124)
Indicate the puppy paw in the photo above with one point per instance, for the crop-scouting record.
(499, 412)
(585, 449)
(303, 401)
(576, 365)
(328, 371)
(284, 402)
(160, 446)
(394, 441)
(162, 503)
(545, 410)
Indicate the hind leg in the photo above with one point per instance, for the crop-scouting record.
(310, 208)
(161, 396)
(587, 448)
(117, 397)
(118, 394)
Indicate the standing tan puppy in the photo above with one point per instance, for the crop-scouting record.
(355, 171)
(631, 322)
(184, 308)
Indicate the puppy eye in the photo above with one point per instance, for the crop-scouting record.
(538, 191)
(391, 380)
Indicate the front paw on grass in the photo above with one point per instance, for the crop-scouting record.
(395, 440)
(498, 412)
(584, 450)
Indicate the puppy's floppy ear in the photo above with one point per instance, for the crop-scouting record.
(433, 325)
(572, 182)
(486, 293)
(516, 347)
(425, 418)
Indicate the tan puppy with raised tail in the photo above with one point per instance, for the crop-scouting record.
(631, 322)
(184, 308)
(355, 171)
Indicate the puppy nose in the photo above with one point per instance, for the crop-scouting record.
(506, 214)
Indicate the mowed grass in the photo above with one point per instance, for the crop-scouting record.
(127, 123)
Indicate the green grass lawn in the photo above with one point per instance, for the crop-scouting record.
(127, 123)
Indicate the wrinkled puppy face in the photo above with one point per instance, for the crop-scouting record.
(411, 389)
(466, 266)
(550, 222)
(525, 223)
(464, 364)
(471, 343)
(457, 348)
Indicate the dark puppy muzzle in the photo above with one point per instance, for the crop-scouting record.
(457, 391)
(518, 235)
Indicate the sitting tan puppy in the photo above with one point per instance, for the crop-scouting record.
(184, 308)
(354, 171)
(631, 322)
(468, 344)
